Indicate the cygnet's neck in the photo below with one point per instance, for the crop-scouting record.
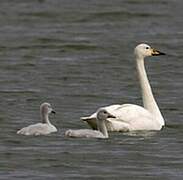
(45, 118)
(147, 95)
(102, 127)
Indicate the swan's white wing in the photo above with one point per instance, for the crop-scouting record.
(128, 117)
(129, 112)
(37, 129)
(132, 117)
(91, 120)
(110, 109)
(84, 133)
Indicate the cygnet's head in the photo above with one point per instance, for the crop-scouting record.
(46, 108)
(103, 114)
(144, 50)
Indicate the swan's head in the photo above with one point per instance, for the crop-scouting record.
(46, 108)
(144, 50)
(103, 114)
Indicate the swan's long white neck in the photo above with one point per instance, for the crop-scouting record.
(102, 127)
(147, 95)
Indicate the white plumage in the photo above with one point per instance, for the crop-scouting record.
(131, 117)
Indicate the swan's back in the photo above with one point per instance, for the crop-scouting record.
(84, 133)
(128, 117)
(130, 112)
(131, 117)
(37, 129)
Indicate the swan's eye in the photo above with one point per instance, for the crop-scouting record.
(147, 47)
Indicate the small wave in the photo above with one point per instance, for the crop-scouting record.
(19, 91)
(117, 15)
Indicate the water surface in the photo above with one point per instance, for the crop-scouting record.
(78, 55)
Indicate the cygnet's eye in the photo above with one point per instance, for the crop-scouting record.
(147, 47)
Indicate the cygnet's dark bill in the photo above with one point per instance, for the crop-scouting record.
(111, 116)
(157, 53)
(53, 112)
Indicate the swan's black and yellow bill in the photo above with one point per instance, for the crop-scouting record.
(156, 52)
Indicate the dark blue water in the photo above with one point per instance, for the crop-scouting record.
(78, 55)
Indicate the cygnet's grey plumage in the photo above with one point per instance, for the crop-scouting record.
(43, 128)
(84, 133)
(102, 116)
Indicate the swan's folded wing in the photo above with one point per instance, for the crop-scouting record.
(131, 117)
(110, 109)
(91, 120)
(128, 117)
(125, 112)
(130, 112)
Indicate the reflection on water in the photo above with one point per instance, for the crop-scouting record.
(141, 134)
(78, 55)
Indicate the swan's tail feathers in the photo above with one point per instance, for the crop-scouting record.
(23, 131)
(91, 122)
(85, 118)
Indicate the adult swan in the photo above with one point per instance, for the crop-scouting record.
(130, 117)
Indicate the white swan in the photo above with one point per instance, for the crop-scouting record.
(131, 117)
(43, 128)
(101, 116)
